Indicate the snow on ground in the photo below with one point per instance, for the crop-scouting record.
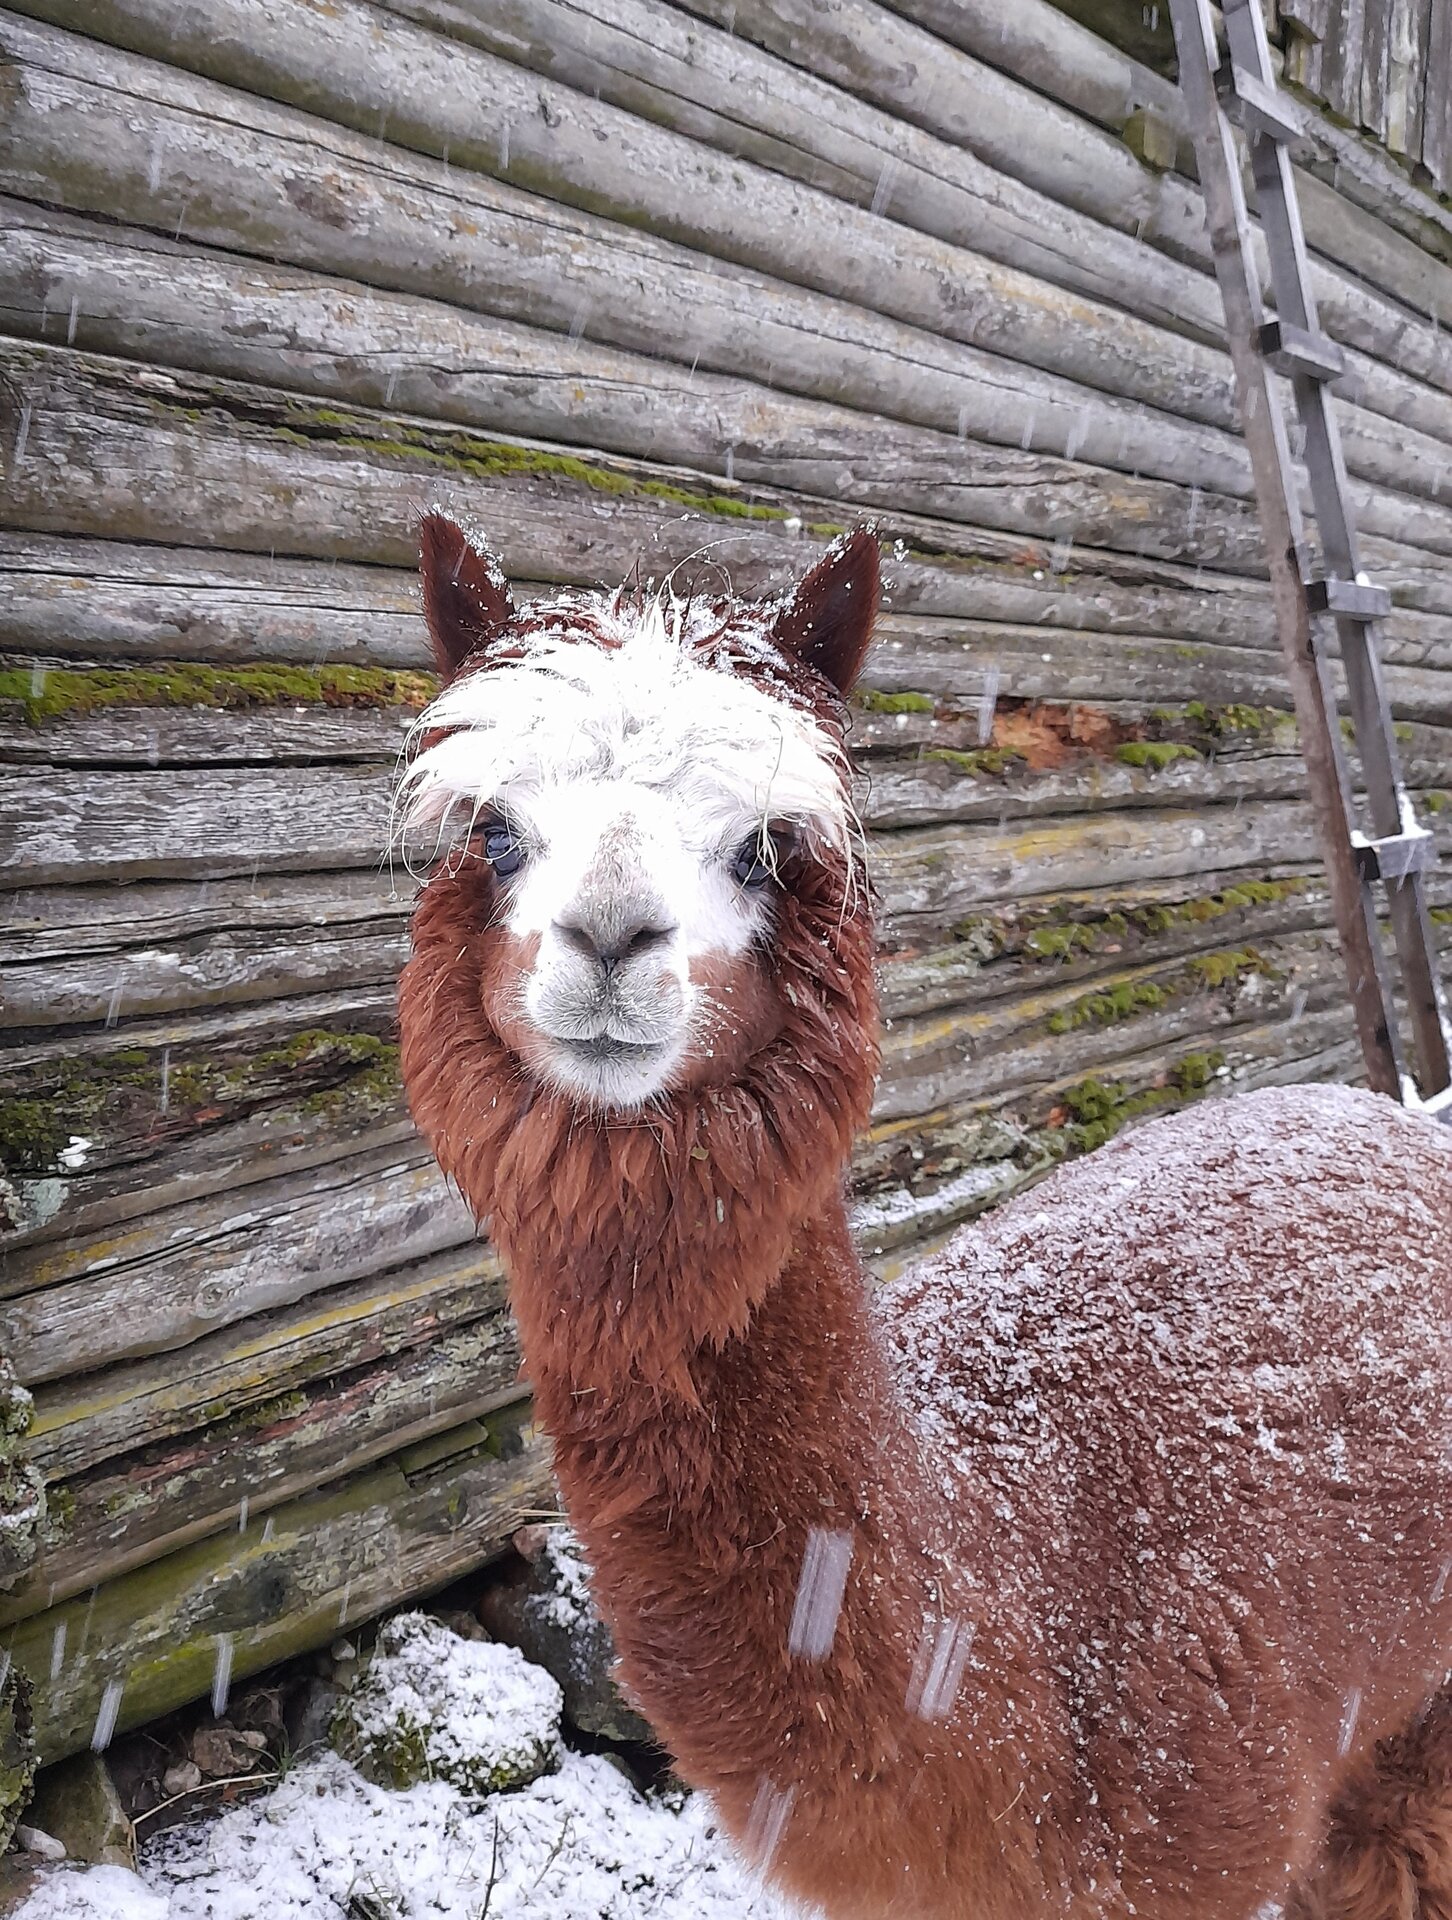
(581, 1843)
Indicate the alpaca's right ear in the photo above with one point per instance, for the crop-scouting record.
(827, 623)
(465, 595)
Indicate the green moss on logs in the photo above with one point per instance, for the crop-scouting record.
(1115, 1003)
(1126, 998)
(1061, 941)
(350, 1075)
(992, 762)
(1154, 755)
(1230, 967)
(871, 702)
(469, 455)
(1099, 1108)
(56, 693)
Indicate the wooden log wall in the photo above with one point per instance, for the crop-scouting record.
(617, 280)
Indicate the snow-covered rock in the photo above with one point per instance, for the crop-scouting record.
(550, 1616)
(432, 1706)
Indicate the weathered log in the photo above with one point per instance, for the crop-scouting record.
(121, 825)
(277, 455)
(215, 970)
(917, 76)
(712, 85)
(1029, 408)
(191, 737)
(149, 299)
(353, 68)
(51, 922)
(946, 1167)
(1040, 45)
(94, 129)
(66, 598)
(290, 1584)
(1077, 66)
(94, 599)
(85, 1420)
(222, 1144)
(1070, 939)
(961, 1054)
(228, 1476)
(213, 1268)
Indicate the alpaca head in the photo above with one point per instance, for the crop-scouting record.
(626, 798)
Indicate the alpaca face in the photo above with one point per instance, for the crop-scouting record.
(622, 787)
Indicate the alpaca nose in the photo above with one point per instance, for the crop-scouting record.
(610, 939)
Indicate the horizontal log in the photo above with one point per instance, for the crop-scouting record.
(944, 1168)
(588, 152)
(712, 85)
(83, 1420)
(194, 737)
(100, 600)
(877, 54)
(1043, 47)
(249, 454)
(207, 970)
(1030, 408)
(84, 123)
(68, 598)
(336, 1223)
(1073, 938)
(145, 825)
(148, 299)
(1077, 1030)
(51, 922)
(227, 1477)
(289, 1585)
(218, 1147)
(719, 92)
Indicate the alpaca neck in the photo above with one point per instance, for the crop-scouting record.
(764, 1544)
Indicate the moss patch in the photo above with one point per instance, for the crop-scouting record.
(1120, 1002)
(127, 1103)
(980, 763)
(1126, 998)
(55, 693)
(1059, 940)
(1095, 1110)
(476, 457)
(871, 702)
(1155, 755)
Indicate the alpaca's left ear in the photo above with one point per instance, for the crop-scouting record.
(827, 623)
(466, 598)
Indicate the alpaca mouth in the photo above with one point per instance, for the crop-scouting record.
(606, 1050)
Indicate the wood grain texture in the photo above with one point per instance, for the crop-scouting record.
(617, 281)
(404, 1527)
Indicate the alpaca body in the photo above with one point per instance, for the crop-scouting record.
(1154, 1488)
(1083, 1570)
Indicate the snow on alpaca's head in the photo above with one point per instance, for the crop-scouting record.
(631, 779)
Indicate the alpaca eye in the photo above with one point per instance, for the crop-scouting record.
(758, 861)
(500, 848)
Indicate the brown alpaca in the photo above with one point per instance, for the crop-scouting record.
(1103, 1566)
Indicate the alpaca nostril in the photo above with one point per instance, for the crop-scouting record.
(610, 944)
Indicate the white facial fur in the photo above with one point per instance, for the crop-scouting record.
(631, 775)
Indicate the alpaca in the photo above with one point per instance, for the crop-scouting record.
(1102, 1565)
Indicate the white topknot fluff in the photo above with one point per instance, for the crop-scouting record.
(645, 709)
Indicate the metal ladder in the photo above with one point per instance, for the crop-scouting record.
(1397, 852)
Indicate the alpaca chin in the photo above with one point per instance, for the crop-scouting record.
(606, 1075)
